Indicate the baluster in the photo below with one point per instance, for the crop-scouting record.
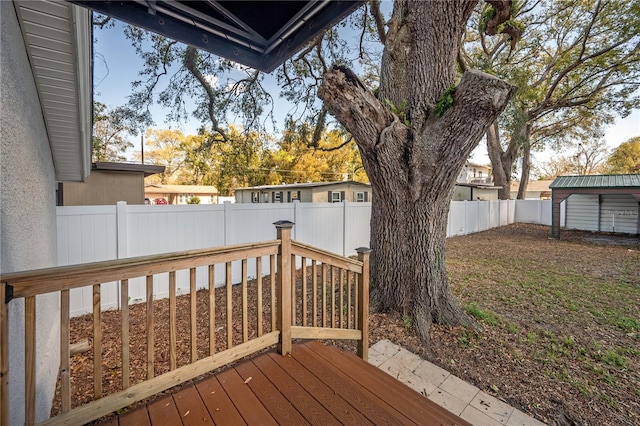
(124, 314)
(150, 322)
(172, 321)
(65, 385)
(259, 294)
(212, 310)
(193, 294)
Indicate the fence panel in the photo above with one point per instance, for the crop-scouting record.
(357, 227)
(94, 233)
(471, 222)
(457, 218)
(88, 234)
(484, 215)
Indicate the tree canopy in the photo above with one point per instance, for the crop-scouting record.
(577, 67)
(626, 157)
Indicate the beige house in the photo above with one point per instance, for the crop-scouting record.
(475, 173)
(313, 192)
(536, 189)
(107, 184)
(180, 194)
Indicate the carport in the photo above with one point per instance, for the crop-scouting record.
(603, 203)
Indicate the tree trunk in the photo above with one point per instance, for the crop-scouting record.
(413, 169)
(501, 161)
(412, 176)
(526, 170)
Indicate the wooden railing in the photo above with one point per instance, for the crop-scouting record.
(337, 289)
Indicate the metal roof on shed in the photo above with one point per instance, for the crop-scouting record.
(596, 181)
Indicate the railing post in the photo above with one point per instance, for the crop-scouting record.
(284, 285)
(363, 305)
(4, 356)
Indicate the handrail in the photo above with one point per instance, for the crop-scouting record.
(41, 281)
(336, 278)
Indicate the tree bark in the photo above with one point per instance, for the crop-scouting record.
(413, 169)
(501, 161)
(526, 169)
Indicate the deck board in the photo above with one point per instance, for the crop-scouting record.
(163, 412)
(317, 385)
(343, 411)
(220, 406)
(244, 399)
(280, 408)
(191, 407)
(304, 402)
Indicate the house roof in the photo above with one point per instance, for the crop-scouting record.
(533, 185)
(147, 169)
(57, 38)
(180, 189)
(470, 164)
(478, 185)
(303, 185)
(259, 34)
(596, 181)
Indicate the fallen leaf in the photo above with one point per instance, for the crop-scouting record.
(248, 380)
(187, 413)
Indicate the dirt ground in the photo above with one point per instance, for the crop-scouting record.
(560, 325)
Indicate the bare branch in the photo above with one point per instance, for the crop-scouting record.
(379, 19)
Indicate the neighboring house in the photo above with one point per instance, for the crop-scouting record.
(475, 182)
(45, 137)
(475, 173)
(107, 184)
(313, 192)
(536, 190)
(475, 192)
(181, 194)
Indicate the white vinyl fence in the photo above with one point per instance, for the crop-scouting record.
(95, 233)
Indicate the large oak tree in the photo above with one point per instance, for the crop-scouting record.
(414, 134)
(414, 150)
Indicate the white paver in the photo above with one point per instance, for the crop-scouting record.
(445, 389)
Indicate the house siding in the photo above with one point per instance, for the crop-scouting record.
(27, 216)
(105, 188)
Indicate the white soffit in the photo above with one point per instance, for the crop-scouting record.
(57, 36)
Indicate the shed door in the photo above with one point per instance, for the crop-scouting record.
(582, 212)
(619, 213)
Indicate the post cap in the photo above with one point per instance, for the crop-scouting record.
(363, 250)
(284, 224)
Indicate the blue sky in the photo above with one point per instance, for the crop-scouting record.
(116, 66)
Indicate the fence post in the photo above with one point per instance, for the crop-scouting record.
(363, 303)
(4, 356)
(283, 281)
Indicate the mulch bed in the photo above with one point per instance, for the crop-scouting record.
(555, 386)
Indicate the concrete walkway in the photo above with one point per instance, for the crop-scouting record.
(452, 393)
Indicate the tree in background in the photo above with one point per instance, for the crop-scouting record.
(577, 67)
(625, 158)
(165, 148)
(588, 158)
(110, 131)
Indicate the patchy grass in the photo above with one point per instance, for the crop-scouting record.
(561, 322)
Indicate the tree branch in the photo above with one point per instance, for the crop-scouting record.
(379, 19)
(190, 64)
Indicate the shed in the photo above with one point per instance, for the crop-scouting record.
(606, 203)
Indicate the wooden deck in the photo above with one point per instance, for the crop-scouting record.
(316, 384)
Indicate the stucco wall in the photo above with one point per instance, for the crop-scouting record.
(27, 214)
(104, 188)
